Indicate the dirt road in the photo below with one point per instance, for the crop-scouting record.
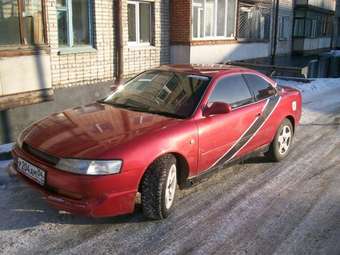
(257, 207)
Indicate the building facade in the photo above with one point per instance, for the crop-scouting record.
(313, 26)
(215, 31)
(61, 53)
(55, 44)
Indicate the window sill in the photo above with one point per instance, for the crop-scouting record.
(140, 46)
(23, 51)
(76, 50)
(241, 40)
(196, 42)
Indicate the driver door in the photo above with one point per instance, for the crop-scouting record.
(221, 135)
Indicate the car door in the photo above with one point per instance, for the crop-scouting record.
(265, 96)
(222, 136)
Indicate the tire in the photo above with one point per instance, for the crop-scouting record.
(282, 143)
(158, 188)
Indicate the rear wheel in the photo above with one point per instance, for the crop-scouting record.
(282, 142)
(159, 188)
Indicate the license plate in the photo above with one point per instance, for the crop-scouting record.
(31, 171)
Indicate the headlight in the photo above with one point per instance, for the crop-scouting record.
(90, 167)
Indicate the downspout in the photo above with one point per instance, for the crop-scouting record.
(118, 43)
(276, 20)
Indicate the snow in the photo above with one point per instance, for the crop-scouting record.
(313, 88)
(313, 108)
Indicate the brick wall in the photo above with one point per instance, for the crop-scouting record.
(96, 65)
(139, 58)
(180, 21)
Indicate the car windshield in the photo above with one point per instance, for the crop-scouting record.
(161, 92)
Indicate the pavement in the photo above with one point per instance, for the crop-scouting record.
(257, 207)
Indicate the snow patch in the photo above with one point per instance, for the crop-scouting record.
(6, 147)
(313, 108)
(313, 88)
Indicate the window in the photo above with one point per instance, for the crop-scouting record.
(21, 22)
(284, 28)
(74, 22)
(312, 25)
(299, 27)
(165, 93)
(232, 90)
(261, 88)
(254, 21)
(213, 18)
(139, 22)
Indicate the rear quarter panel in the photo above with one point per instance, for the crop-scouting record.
(283, 110)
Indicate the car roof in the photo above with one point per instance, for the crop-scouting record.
(210, 70)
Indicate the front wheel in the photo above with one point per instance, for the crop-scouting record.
(282, 142)
(159, 187)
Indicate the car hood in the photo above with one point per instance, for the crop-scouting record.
(89, 131)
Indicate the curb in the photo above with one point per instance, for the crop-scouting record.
(5, 151)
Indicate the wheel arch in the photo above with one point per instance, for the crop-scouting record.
(182, 168)
(292, 120)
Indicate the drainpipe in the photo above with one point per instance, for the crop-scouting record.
(275, 27)
(118, 43)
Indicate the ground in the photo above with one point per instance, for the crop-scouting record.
(257, 207)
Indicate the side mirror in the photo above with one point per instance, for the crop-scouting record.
(217, 108)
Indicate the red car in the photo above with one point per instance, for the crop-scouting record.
(166, 127)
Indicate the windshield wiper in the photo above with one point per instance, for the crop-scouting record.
(125, 106)
(167, 114)
(138, 109)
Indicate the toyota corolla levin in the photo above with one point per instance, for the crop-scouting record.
(163, 129)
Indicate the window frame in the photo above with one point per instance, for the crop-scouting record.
(283, 29)
(209, 38)
(253, 4)
(69, 21)
(23, 45)
(252, 89)
(137, 25)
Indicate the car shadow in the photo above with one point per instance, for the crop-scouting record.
(257, 160)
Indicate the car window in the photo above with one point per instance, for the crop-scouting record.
(232, 90)
(262, 89)
(167, 93)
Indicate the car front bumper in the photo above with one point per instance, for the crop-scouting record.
(95, 196)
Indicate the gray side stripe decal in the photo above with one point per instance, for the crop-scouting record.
(248, 135)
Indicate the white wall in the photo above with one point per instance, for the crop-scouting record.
(24, 73)
(210, 54)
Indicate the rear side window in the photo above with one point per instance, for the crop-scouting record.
(262, 89)
(232, 90)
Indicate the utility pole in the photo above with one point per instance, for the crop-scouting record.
(275, 28)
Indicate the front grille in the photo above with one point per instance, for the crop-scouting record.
(40, 155)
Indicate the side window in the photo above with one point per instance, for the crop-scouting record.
(262, 89)
(232, 90)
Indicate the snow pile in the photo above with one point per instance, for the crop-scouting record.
(6, 147)
(335, 53)
(328, 90)
(313, 88)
